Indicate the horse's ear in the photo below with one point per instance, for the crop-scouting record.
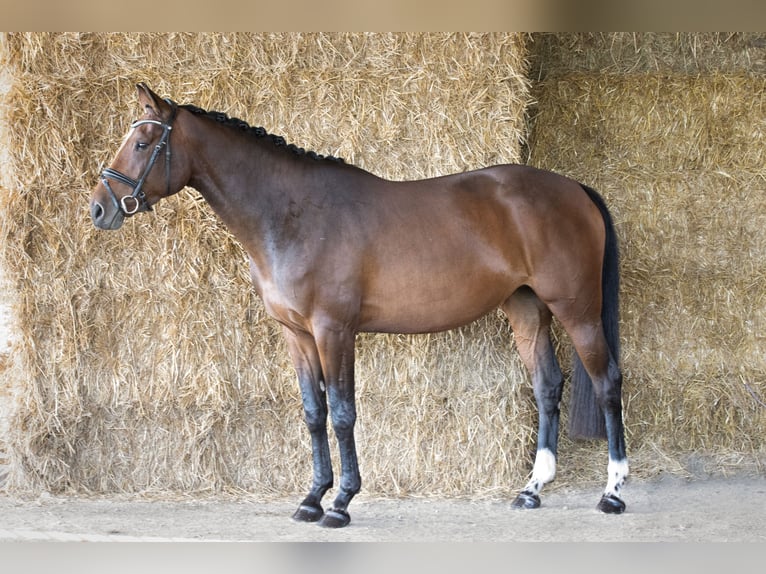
(151, 103)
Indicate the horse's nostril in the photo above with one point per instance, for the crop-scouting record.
(96, 211)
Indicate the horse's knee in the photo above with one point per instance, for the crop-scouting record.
(316, 419)
(343, 412)
(343, 424)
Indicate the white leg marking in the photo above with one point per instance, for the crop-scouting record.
(617, 472)
(543, 472)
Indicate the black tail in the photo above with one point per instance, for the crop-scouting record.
(586, 420)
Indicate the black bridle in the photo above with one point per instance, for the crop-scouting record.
(139, 196)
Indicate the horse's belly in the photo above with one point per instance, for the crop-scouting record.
(437, 305)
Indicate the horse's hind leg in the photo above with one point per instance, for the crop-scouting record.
(591, 346)
(530, 320)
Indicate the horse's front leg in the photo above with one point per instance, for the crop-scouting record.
(303, 352)
(336, 350)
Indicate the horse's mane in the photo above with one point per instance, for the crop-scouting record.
(260, 133)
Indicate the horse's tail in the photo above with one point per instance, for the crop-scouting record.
(586, 420)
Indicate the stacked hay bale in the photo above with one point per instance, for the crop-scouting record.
(145, 363)
(671, 128)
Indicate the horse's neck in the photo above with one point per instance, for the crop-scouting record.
(237, 179)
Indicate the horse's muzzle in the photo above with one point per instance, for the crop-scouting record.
(106, 218)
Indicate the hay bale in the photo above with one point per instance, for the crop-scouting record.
(648, 52)
(145, 363)
(679, 155)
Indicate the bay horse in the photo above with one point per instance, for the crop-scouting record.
(335, 250)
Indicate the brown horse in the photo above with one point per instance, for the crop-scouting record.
(335, 250)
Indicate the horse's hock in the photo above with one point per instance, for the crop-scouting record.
(144, 362)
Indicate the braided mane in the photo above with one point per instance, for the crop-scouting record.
(260, 133)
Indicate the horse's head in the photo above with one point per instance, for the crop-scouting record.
(142, 172)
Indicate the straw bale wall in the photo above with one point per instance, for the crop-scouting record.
(144, 362)
(671, 128)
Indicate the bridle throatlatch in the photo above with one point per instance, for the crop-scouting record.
(136, 201)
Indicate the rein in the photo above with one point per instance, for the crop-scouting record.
(139, 196)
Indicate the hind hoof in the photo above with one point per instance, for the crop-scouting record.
(335, 518)
(306, 513)
(610, 504)
(526, 500)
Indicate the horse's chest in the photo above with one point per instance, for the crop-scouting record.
(286, 295)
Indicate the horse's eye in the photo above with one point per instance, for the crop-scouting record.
(141, 146)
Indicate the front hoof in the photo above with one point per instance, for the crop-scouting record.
(307, 513)
(610, 504)
(335, 518)
(526, 500)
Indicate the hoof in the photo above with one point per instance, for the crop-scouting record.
(335, 518)
(526, 500)
(306, 513)
(610, 504)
